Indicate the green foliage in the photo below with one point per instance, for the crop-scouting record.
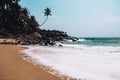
(53, 35)
(46, 13)
(16, 20)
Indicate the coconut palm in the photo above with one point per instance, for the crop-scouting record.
(46, 13)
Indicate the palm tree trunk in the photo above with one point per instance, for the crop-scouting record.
(44, 22)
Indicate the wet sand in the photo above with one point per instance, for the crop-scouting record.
(13, 67)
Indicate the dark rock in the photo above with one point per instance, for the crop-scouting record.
(60, 45)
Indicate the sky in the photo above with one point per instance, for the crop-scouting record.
(81, 18)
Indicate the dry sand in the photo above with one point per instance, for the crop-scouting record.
(7, 40)
(13, 67)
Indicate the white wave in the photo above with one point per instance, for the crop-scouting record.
(81, 62)
(69, 40)
(81, 40)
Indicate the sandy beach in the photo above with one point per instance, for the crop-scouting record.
(13, 67)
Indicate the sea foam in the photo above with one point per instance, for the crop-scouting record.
(79, 61)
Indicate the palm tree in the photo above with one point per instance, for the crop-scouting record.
(46, 13)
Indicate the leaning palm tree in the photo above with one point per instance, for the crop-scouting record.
(46, 13)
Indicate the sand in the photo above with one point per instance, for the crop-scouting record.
(13, 67)
(7, 40)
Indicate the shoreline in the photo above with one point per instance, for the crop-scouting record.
(46, 68)
(14, 67)
(100, 60)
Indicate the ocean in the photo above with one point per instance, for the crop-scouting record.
(85, 59)
(96, 41)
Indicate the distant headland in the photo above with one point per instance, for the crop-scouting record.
(17, 25)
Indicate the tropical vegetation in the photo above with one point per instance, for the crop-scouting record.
(46, 13)
(16, 22)
(15, 19)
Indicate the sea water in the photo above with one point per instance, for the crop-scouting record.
(85, 59)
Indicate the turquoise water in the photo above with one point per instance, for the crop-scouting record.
(96, 41)
(85, 59)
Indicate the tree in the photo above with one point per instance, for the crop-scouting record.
(16, 20)
(46, 13)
